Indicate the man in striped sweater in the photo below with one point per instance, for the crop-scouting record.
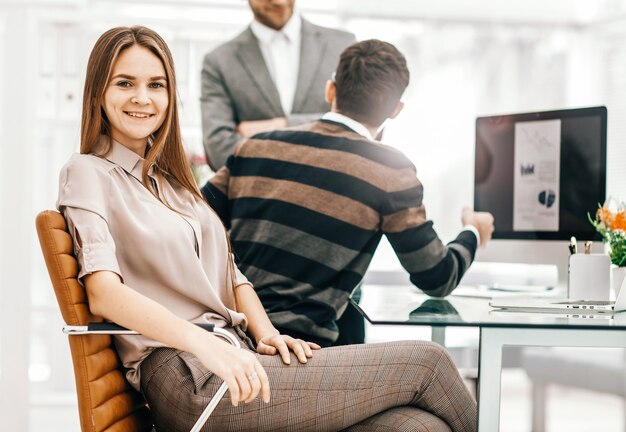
(307, 206)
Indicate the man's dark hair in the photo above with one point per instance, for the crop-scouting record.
(370, 79)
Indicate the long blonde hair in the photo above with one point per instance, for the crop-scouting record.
(166, 149)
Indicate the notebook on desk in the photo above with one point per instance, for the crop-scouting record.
(563, 306)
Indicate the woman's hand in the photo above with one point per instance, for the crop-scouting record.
(268, 339)
(239, 369)
(277, 343)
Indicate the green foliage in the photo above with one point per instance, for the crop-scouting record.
(610, 225)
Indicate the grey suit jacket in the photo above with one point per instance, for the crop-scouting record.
(237, 86)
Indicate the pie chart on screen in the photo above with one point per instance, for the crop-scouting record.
(546, 198)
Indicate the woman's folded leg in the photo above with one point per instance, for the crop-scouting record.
(401, 419)
(338, 388)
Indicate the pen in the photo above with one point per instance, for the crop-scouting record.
(588, 247)
(572, 245)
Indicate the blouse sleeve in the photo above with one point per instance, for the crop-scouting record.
(83, 192)
(240, 279)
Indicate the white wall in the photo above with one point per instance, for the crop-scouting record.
(16, 234)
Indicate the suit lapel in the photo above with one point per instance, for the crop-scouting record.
(249, 54)
(311, 55)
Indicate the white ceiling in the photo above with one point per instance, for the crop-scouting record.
(559, 12)
(531, 12)
(563, 12)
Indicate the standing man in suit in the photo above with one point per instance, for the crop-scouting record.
(269, 77)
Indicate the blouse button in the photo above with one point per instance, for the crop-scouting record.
(87, 250)
(89, 266)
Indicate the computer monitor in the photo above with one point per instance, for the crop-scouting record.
(540, 174)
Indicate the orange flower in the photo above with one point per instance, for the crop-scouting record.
(605, 216)
(619, 221)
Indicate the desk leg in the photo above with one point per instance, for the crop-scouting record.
(489, 374)
(438, 335)
(492, 340)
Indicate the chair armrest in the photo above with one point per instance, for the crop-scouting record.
(106, 328)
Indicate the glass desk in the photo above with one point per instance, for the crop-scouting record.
(406, 305)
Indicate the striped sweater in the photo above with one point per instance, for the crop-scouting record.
(306, 208)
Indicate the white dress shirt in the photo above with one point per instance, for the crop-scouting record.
(347, 121)
(281, 52)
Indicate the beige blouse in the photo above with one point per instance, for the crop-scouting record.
(118, 225)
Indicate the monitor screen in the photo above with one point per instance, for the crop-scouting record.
(541, 173)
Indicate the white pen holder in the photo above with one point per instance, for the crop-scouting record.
(589, 277)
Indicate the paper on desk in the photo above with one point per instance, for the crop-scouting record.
(499, 291)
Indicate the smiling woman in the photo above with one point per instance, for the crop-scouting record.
(130, 98)
(156, 259)
(136, 98)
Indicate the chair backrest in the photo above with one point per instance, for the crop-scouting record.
(106, 402)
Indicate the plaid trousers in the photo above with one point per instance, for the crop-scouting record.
(396, 386)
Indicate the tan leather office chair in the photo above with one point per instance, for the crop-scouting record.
(106, 402)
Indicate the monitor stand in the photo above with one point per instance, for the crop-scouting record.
(511, 277)
(532, 263)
